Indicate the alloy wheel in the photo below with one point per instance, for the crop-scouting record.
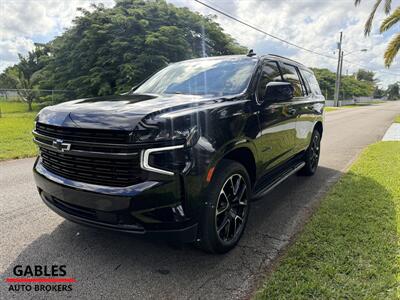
(232, 208)
(314, 152)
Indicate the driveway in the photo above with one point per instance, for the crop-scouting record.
(114, 266)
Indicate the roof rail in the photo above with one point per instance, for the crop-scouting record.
(270, 54)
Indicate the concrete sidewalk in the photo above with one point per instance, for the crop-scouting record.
(393, 133)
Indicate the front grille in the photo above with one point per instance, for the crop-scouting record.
(84, 135)
(95, 170)
(102, 157)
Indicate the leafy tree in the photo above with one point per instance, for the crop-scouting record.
(7, 81)
(378, 93)
(389, 22)
(393, 91)
(350, 86)
(364, 75)
(25, 75)
(109, 50)
(326, 80)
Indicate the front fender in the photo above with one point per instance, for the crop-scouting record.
(224, 130)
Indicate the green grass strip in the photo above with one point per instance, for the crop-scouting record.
(16, 126)
(350, 248)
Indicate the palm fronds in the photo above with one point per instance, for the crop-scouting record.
(392, 50)
(394, 45)
(368, 24)
(391, 20)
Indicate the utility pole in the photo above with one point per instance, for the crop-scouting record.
(340, 73)
(337, 84)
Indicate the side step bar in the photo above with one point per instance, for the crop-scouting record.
(269, 187)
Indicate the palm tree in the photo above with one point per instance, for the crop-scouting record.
(391, 20)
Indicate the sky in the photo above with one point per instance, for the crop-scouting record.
(313, 24)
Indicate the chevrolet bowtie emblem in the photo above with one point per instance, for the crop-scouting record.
(61, 146)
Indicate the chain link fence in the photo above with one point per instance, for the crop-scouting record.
(40, 97)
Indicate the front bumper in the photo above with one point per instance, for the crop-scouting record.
(153, 208)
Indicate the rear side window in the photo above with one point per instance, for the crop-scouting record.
(312, 82)
(290, 75)
(270, 72)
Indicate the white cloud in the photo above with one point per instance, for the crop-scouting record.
(9, 50)
(314, 24)
(23, 22)
(31, 18)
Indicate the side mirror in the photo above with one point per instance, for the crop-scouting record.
(278, 91)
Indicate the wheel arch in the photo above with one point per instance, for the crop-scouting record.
(318, 126)
(245, 157)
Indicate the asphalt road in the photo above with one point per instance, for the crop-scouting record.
(116, 266)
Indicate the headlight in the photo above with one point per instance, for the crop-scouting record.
(188, 136)
(183, 130)
(166, 160)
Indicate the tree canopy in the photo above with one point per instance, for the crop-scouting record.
(109, 50)
(394, 91)
(364, 75)
(26, 75)
(363, 85)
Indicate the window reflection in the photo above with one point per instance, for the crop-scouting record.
(270, 72)
(312, 81)
(290, 75)
(211, 76)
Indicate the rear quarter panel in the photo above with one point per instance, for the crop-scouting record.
(310, 111)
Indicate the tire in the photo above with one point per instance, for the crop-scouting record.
(311, 157)
(227, 208)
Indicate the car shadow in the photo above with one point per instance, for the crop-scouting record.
(108, 264)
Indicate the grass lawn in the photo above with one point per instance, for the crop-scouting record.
(397, 120)
(16, 124)
(350, 248)
(330, 108)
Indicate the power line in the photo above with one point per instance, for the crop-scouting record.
(262, 31)
(281, 39)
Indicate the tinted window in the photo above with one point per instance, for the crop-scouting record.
(270, 72)
(306, 84)
(212, 76)
(290, 75)
(312, 81)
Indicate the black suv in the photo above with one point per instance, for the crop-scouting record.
(183, 154)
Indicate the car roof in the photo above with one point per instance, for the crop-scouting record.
(255, 57)
(284, 60)
(224, 57)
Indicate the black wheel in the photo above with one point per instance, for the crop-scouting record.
(311, 156)
(227, 208)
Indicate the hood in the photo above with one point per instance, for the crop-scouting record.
(118, 112)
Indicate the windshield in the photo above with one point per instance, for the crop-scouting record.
(216, 76)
